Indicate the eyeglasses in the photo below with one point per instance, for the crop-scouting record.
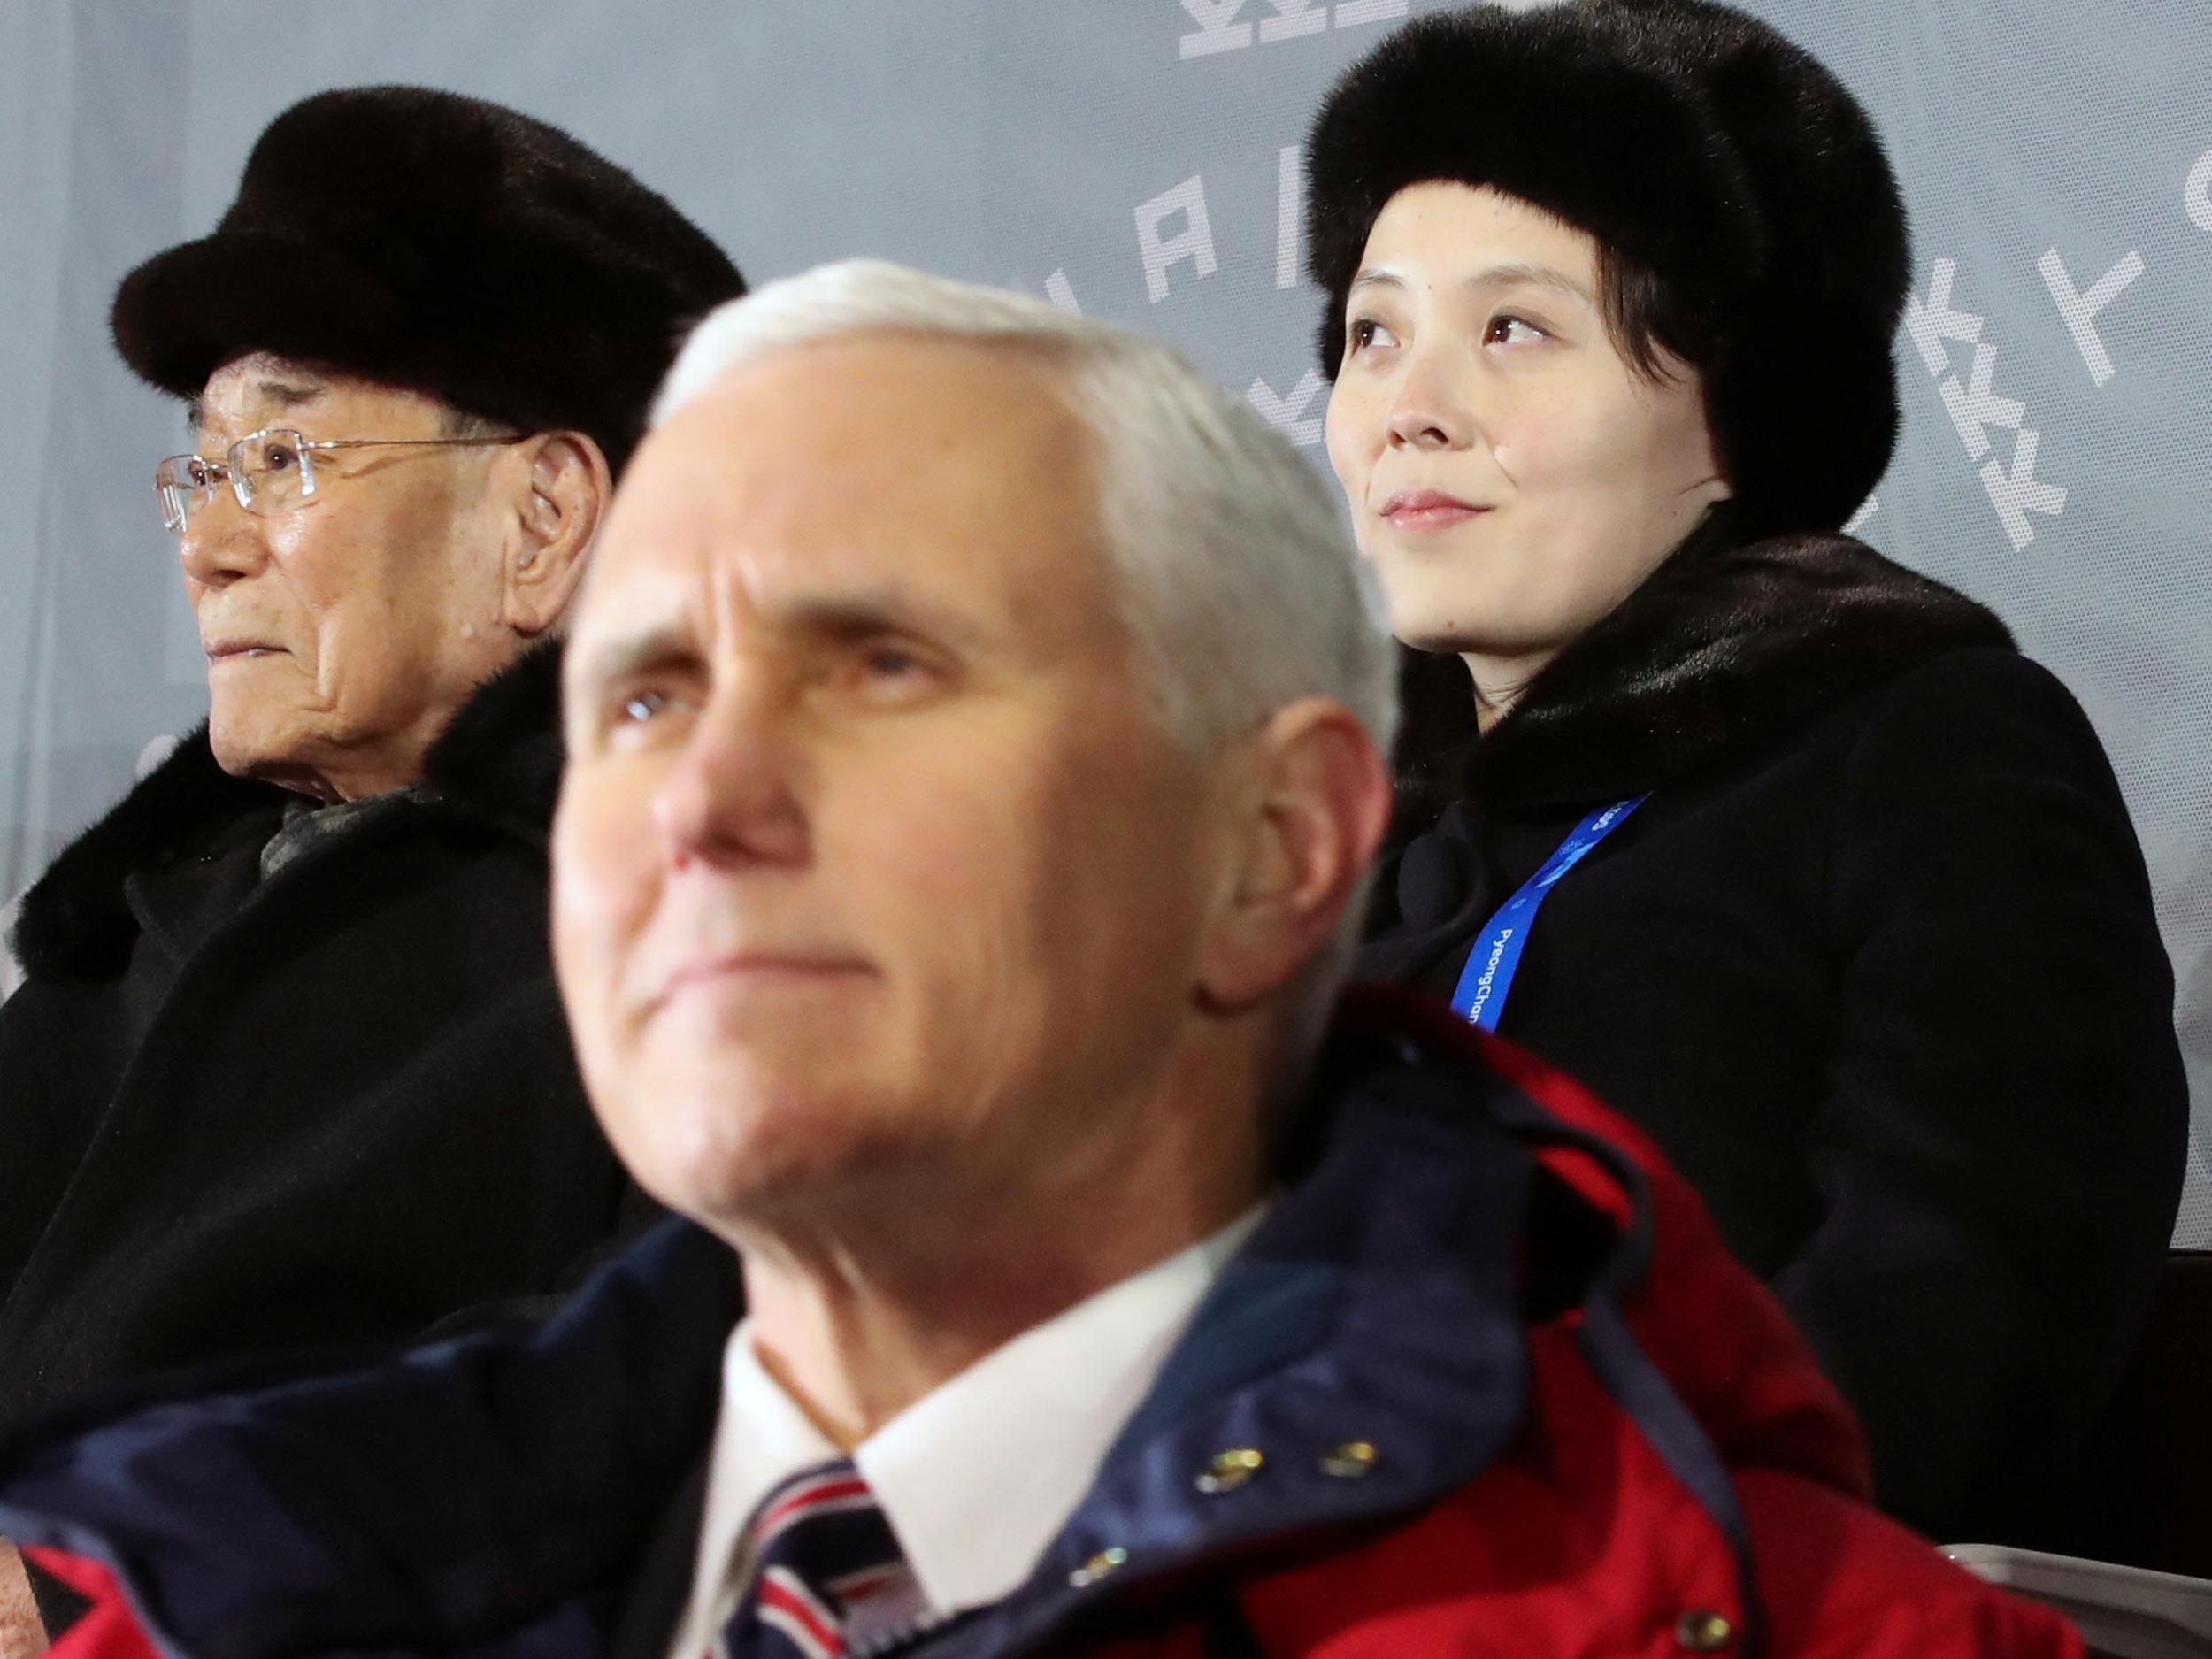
(268, 471)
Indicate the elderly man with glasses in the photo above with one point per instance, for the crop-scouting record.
(288, 1066)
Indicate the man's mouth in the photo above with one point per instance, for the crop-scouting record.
(760, 969)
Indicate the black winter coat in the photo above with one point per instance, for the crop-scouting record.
(1875, 965)
(336, 1105)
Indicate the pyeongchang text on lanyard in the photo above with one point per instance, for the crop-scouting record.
(1487, 978)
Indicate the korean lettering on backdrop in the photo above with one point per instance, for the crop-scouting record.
(1173, 228)
(1937, 320)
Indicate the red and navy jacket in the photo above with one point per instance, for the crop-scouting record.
(1509, 1393)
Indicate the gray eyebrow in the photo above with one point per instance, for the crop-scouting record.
(289, 394)
(283, 394)
(850, 618)
(877, 610)
(628, 654)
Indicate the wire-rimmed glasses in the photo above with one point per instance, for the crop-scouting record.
(268, 471)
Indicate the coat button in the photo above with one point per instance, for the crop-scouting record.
(1701, 1630)
(1098, 1566)
(1229, 1470)
(1349, 1460)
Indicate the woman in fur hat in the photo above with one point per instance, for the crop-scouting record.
(1782, 847)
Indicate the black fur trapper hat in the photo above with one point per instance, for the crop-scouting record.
(1700, 144)
(443, 244)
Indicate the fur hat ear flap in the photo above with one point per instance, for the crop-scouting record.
(1695, 141)
(440, 243)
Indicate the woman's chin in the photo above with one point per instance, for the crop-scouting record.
(1456, 638)
(1428, 641)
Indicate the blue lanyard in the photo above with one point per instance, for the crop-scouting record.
(1496, 957)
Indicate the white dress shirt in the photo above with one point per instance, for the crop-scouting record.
(976, 1478)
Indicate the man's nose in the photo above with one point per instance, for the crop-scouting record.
(732, 799)
(221, 541)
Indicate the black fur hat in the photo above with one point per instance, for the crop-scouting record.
(1698, 142)
(443, 244)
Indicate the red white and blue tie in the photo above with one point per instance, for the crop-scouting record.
(824, 1564)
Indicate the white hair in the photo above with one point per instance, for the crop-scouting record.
(1239, 585)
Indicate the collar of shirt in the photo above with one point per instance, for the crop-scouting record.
(977, 1477)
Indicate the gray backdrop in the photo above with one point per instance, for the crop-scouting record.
(1134, 158)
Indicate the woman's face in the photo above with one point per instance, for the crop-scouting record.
(1510, 475)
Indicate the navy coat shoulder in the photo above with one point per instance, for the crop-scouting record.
(333, 1105)
(1875, 963)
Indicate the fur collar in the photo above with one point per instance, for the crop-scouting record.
(1725, 651)
(499, 761)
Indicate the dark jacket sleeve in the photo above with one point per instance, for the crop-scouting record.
(2002, 1146)
(636, 1212)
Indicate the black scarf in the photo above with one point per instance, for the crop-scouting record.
(499, 761)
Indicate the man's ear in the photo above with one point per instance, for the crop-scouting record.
(1315, 809)
(560, 498)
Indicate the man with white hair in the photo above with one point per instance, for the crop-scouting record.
(974, 726)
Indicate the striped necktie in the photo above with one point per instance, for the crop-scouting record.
(825, 1566)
